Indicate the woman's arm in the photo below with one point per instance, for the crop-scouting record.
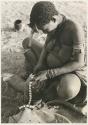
(40, 65)
(77, 54)
(42, 56)
(71, 66)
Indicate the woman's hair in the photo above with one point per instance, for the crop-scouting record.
(41, 13)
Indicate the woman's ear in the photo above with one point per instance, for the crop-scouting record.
(54, 18)
(33, 27)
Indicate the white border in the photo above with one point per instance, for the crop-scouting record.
(0, 43)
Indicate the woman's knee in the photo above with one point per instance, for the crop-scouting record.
(69, 86)
(26, 43)
(29, 42)
(35, 46)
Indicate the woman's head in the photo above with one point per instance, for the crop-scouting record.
(42, 13)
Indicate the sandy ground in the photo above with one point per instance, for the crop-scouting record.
(12, 58)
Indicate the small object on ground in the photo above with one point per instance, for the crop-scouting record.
(18, 25)
(68, 105)
(83, 110)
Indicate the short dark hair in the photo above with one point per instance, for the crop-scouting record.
(41, 13)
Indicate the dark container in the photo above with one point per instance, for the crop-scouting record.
(18, 25)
